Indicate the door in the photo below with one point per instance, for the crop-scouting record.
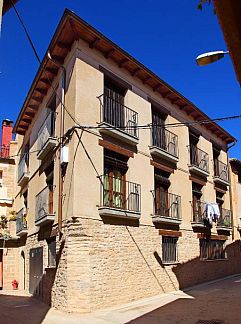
(36, 271)
(158, 131)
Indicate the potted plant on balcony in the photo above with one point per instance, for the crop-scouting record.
(12, 214)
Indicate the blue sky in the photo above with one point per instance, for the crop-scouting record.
(166, 36)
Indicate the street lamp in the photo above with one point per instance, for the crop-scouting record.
(210, 57)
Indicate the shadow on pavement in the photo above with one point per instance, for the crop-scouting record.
(21, 310)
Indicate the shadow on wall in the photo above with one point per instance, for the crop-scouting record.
(21, 309)
(213, 303)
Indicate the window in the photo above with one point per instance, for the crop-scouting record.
(52, 109)
(212, 249)
(1, 179)
(169, 249)
(114, 104)
(49, 172)
(161, 192)
(197, 205)
(115, 167)
(51, 252)
(158, 130)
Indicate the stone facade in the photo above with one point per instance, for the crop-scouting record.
(102, 261)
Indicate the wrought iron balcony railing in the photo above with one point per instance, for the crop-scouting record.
(166, 205)
(46, 131)
(22, 166)
(199, 158)
(165, 140)
(225, 219)
(221, 170)
(4, 151)
(120, 194)
(119, 116)
(21, 221)
(44, 205)
(198, 211)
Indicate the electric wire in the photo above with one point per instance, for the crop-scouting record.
(147, 126)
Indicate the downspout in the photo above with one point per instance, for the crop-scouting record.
(60, 197)
(230, 186)
(61, 134)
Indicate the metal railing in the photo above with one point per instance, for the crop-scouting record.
(46, 131)
(21, 222)
(198, 211)
(221, 170)
(164, 139)
(4, 151)
(199, 158)
(22, 166)
(120, 194)
(43, 206)
(118, 115)
(166, 204)
(225, 219)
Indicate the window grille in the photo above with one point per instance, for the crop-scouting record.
(169, 249)
(212, 249)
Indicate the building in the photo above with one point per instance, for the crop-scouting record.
(112, 189)
(228, 13)
(8, 239)
(235, 165)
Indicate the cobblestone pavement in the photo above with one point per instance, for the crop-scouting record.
(218, 302)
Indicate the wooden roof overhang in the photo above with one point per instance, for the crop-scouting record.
(229, 15)
(7, 4)
(72, 28)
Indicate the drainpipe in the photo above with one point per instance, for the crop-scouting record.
(230, 187)
(61, 133)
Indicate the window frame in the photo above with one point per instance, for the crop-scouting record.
(173, 243)
(52, 257)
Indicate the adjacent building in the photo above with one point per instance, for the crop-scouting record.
(116, 173)
(8, 238)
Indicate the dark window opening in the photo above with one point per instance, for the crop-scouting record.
(162, 182)
(197, 204)
(51, 252)
(169, 249)
(49, 172)
(212, 249)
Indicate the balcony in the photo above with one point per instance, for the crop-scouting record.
(221, 174)
(4, 152)
(164, 144)
(46, 141)
(44, 207)
(198, 161)
(224, 222)
(119, 198)
(118, 121)
(21, 223)
(167, 208)
(198, 214)
(23, 171)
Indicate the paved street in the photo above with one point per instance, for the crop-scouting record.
(214, 303)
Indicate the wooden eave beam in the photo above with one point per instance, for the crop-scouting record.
(166, 94)
(51, 71)
(110, 53)
(63, 45)
(134, 73)
(33, 107)
(41, 91)
(148, 78)
(58, 59)
(123, 62)
(27, 121)
(74, 30)
(46, 81)
(156, 87)
(29, 114)
(94, 43)
(36, 99)
(23, 127)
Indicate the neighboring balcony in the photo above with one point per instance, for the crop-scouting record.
(4, 152)
(21, 223)
(120, 198)
(164, 144)
(167, 208)
(224, 223)
(118, 121)
(198, 214)
(221, 174)
(23, 170)
(44, 207)
(46, 141)
(198, 161)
